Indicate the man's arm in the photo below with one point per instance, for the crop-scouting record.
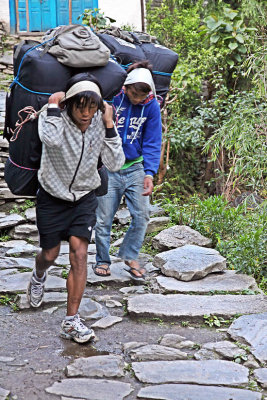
(112, 154)
(50, 125)
(151, 147)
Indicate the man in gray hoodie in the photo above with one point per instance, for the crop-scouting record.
(73, 139)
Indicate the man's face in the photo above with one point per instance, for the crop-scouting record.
(82, 116)
(135, 96)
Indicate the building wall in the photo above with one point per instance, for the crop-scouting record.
(126, 12)
(4, 13)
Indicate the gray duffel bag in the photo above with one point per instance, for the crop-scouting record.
(76, 46)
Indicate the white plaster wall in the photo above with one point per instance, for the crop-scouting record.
(4, 12)
(126, 12)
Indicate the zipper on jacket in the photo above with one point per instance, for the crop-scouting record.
(127, 124)
(76, 171)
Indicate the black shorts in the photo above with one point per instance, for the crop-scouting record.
(58, 219)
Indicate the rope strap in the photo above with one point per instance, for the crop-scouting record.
(31, 114)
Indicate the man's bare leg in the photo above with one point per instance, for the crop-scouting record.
(76, 281)
(45, 259)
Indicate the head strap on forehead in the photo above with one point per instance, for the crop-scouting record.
(141, 75)
(83, 86)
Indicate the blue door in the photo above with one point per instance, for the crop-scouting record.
(41, 15)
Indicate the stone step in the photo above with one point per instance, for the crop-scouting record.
(91, 389)
(181, 306)
(252, 329)
(228, 281)
(189, 262)
(195, 392)
(209, 372)
(19, 283)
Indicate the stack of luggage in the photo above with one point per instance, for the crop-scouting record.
(41, 69)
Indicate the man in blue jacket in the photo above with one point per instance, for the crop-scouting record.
(139, 125)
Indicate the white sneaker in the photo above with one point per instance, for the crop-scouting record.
(76, 330)
(35, 291)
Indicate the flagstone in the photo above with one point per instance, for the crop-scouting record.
(210, 372)
(16, 262)
(118, 274)
(13, 243)
(178, 235)
(107, 366)
(4, 393)
(25, 231)
(189, 262)
(228, 281)
(106, 322)
(90, 309)
(156, 352)
(225, 349)
(27, 249)
(195, 392)
(123, 216)
(91, 389)
(261, 376)
(253, 330)
(10, 220)
(30, 214)
(194, 306)
(19, 283)
(49, 298)
(156, 224)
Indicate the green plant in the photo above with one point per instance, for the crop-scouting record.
(5, 238)
(21, 209)
(9, 300)
(228, 32)
(185, 323)
(159, 321)
(238, 358)
(238, 145)
(64, 274)
(95, 19)
(213, 320)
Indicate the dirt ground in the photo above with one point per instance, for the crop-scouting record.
(40, 355)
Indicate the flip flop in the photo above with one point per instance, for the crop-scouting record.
(95, 267)
(135, 277)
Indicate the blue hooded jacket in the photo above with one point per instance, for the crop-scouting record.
(140, 129)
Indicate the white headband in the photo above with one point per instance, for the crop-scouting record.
(82, 86)
(141, 75)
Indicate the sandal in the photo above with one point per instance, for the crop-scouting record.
(135, 277)
(107, 270)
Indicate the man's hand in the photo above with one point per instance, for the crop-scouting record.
(55, 98)
(108, 116)
(148, 186)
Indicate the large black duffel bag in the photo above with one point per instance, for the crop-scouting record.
(25, 146)
(111, 77)
(164, 62)
(38, 74)
(39, 71)
(124, 51)
(128, 47)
